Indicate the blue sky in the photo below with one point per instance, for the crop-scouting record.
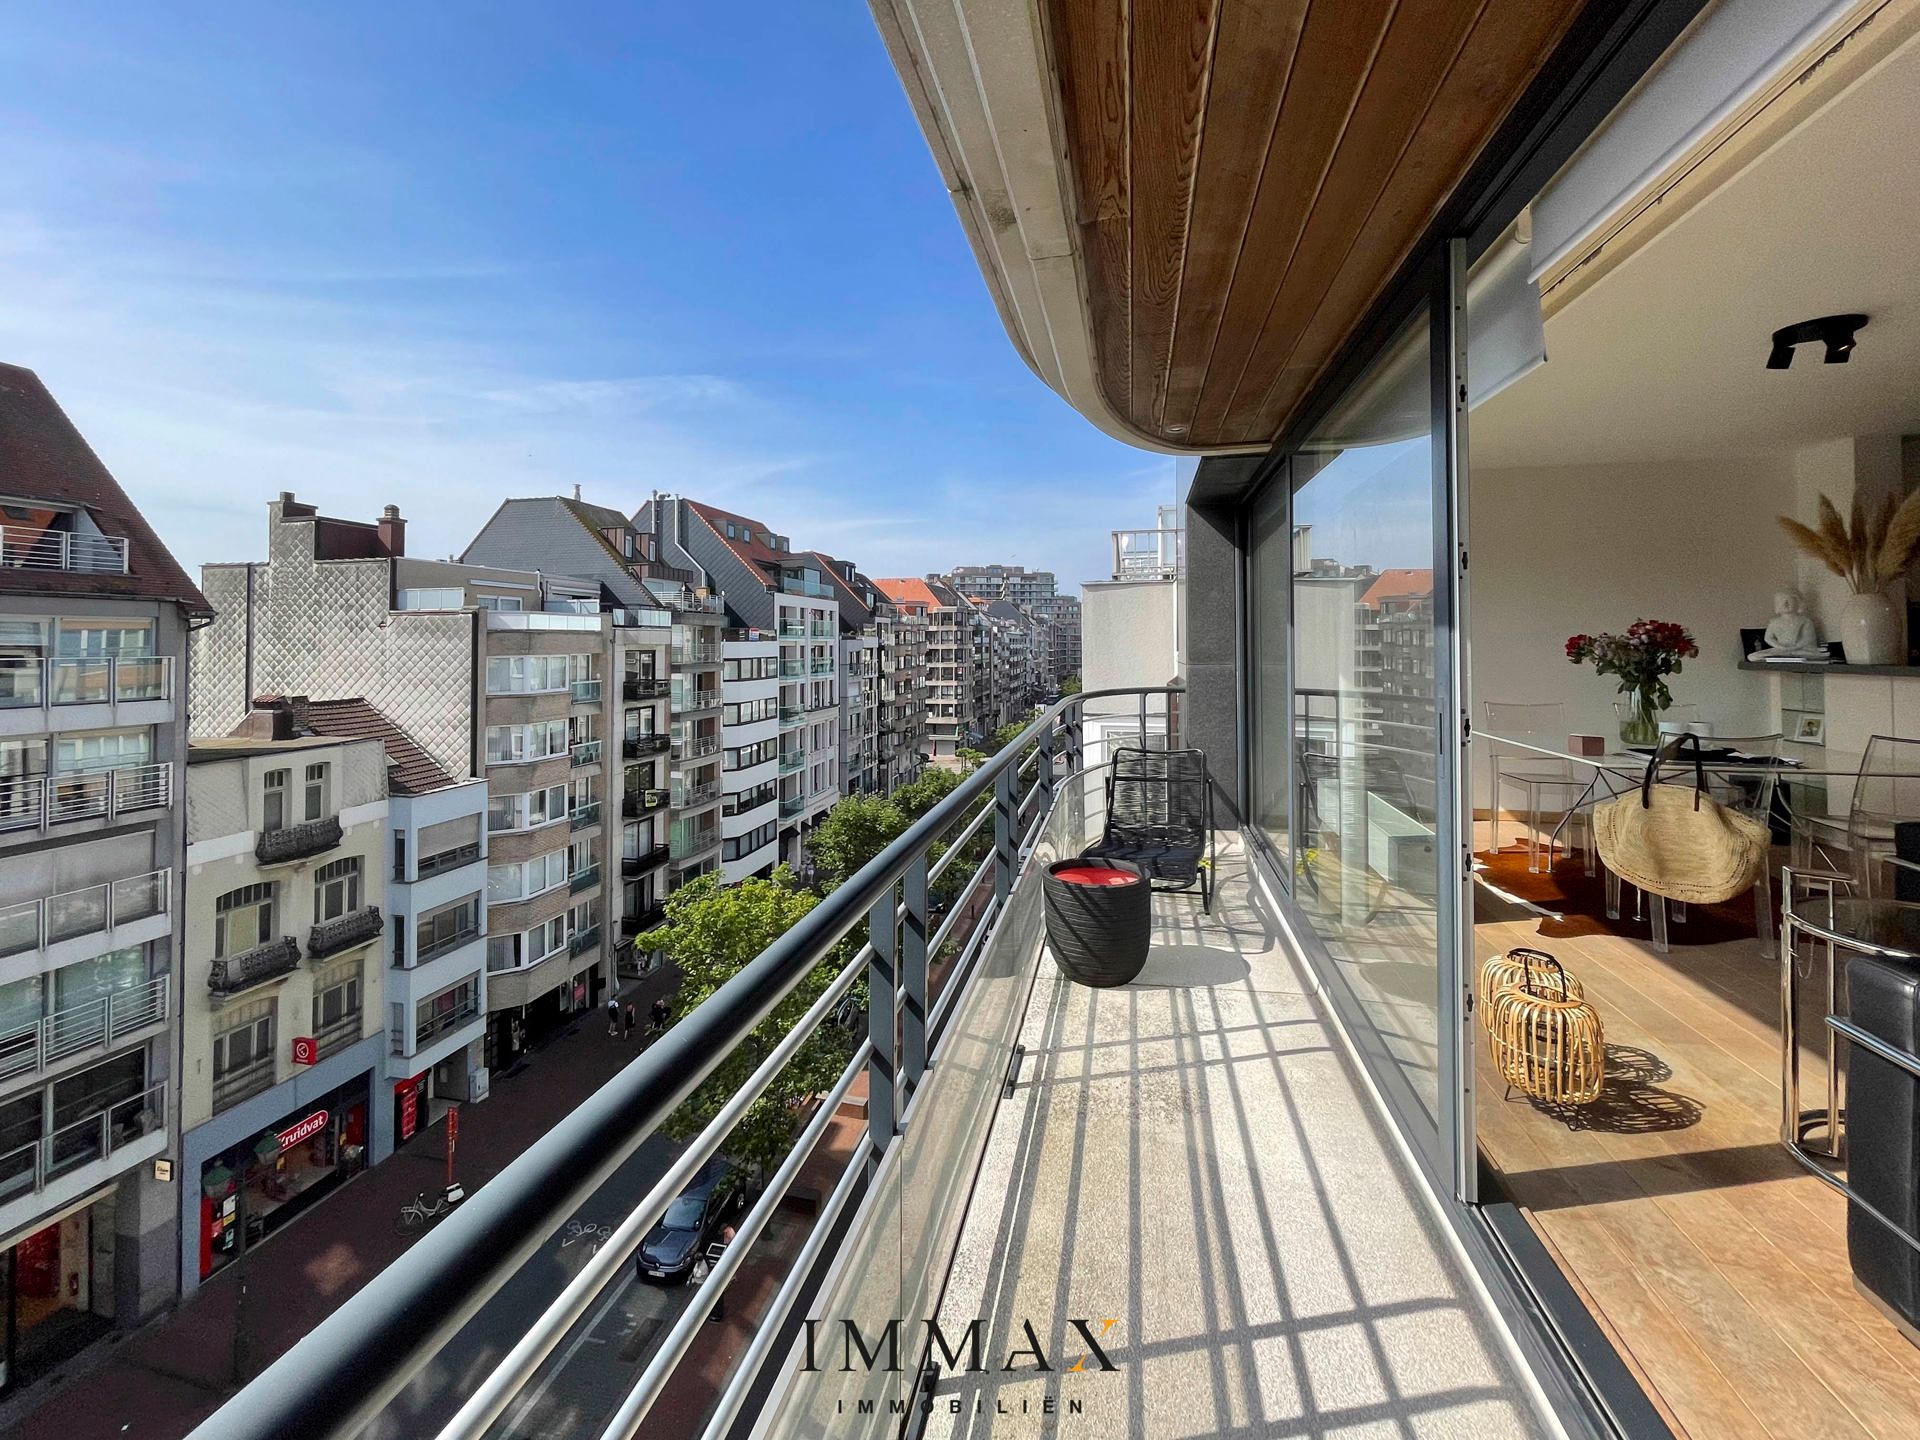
(436, 254)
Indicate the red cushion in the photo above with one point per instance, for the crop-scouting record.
(1095, 875)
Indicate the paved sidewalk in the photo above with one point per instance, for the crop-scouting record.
(162, 1380)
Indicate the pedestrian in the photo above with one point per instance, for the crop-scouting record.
(613, 1017)
(629, 1019)
(662, 1012)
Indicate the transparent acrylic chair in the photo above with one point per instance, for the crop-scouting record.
(1672, 719)
(1534, 775)
(1886, 792)
(1747, 792)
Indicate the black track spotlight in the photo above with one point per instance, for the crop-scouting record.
(1836, 332)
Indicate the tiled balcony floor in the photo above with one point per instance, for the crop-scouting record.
(1193, 1157)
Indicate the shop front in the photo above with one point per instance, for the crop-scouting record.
(260, 1183)
(56, 1290)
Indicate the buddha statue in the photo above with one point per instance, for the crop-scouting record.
(1791, 633)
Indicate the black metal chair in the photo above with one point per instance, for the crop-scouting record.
(1160, 819)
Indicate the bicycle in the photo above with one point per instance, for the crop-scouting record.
(420, 1212)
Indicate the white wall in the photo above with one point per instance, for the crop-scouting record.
(1559, 551)
(1127, 633)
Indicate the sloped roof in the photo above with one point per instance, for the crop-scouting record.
(1397, 585)
(43, 456)
(849, 596)
(411, 771)
(911, 592)
(752, 549)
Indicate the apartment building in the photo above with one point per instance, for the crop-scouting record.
(860, 603)
(283, 1049)
(769, 588)
(94, 615)
(949, 688)
(1062, 614)
(752, 759)
(903, 743)
(1037, 592)
(667, 632)
(497, 674)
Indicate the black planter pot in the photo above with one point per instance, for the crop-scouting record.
(1099, 932)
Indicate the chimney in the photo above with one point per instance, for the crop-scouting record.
(270, 718)
(393, 531)
(576, 489)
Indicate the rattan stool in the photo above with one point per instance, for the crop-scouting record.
(1511, 969)
(1546, 1043)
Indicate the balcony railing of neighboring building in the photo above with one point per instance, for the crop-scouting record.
(96, 1136)
(690, 604)
(28, 681)
(28, 547)
(699, 653)
(583, 816)
(685, 847)
(1149, 554)
(587, 752)
(638, 747)
(444, 1022)
(343, 932)
(32, 802)
(643, 802)
(266, 961)
(819, 703)
(446, 944)
(90, 910)
(688, 702)
(820, 667)
(301, 841)
(336, 1377)
(692, 797)
(792, 715)
(792, 669)
(243, 1083)
(540, 620)
(634, 866)
(792, 760)
(645, 687)
(627, 617)
(97, 1024)
(443, 860)
(341, 1034)
(585, 692)
(792, 630)
(583, 879)
(693, 747)
(792, 806)
(584, 939)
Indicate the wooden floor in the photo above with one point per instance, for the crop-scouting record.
(1719, 1267)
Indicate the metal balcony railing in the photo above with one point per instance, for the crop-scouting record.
(792, 760)
(642, 802)
(925, 1118)
(93, 1137)
(582, 817)
(446, 945)
(28, 681)
(444, 1022)
(587, 752)
(645, 687)
(356, 927)
(33, 802)
(633, 867)
(638, 747)
(646, 919)
(96, 1024)
(442, 860)
(692, 797)
(27, 547)
(696, 654)
(583, 940)
(332, 1038)
(790, 806)
(266, 961)
(91, 910)
(792, 715)
(298, 842)
(243, 1083)
(585, 692)
(583, 879)
(686, 702)
(695, 746)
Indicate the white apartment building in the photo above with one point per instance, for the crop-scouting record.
(752, 760)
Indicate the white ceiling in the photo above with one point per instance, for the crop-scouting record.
(1665, 357)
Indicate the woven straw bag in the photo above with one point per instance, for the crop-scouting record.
(1544, 1043)
(1680, 843)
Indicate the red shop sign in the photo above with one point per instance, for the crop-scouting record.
(305, 1130)
(306, 1050)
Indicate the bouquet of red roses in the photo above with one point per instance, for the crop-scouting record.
(1641, 659)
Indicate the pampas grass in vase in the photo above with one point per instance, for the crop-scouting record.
(1869, 549)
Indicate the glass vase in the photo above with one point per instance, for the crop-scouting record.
(1639, 720)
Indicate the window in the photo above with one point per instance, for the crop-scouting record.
(242, 1052)
(274, 806)
(742, 801)
(102, 750)
(526, 674)
(336, 888)
(515, 744)
(498, 602)
(746, 844)
(745, 757)
(446, 928)
(511, 952)
(242, 919)
(446, 1009)
(580, 857)
(636, 840)
(336, 1005)
(527, 879)
(450, 597)
(526, 812)
(756, 667)
(92, 640)
(747, 712)
(316, 792)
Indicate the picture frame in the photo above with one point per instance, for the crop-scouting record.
(1809, 730)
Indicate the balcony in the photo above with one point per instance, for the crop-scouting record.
(108, 910)
(35, 802)
(444, 1022)
(297, 842)
(446, 945)
(583, 879)
(356, 927)
(689, 702)
(821, 630)
(632, 867)
(587, 752)
(687, 847)
(30, 682)
(643, 802)
(695, 747)
(28, 547)
(583, 940)
(792, 669)
(645, 687)
(86, 1151)
(693, 797)
(819, 703)
(647, 919)
(792, 761)
(444, 860)
(586, 692)
(98, 1024)
(639, 747)
(583, 817)
(792, 806)
(792, 630)
(792, 715)
(698, 654)
(269, 960)
(340, 1035)
(626, 617)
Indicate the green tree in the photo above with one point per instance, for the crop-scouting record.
(856, 829)
(926, 790)
(1070, 685)
(710, 933)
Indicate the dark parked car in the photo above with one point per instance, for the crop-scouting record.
(693, 1220)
